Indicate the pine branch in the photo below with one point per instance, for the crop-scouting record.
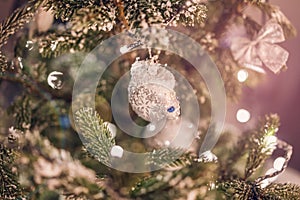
(153, 183)
(279, 191)
(242, 190)
(239, 190)
(46, 168)
(262, 144)
(9, 187)
(22, 112)
(170, 157)
(258, 2)
(3, 63)
(55, 44)
(176, 183)
(97, 137)
(17, 20)
(13, 23)
(192, 15)
(96, 18)
(144, 13)
(64, 9)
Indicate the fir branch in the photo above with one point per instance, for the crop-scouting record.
(170, 157)
(194, 14)
(261, 144)
(9, 187)
(175, 183)
(44, 167)
(151, 184)
(17, 20)
(3, 63)
(29, 112)
(258, 2)
(90, 23)
(55, 44)
(144, 13)
(96, 18)
(97, 137)
(239, 189)
(279, 191)
(13, 23)
(22, 112)
(64, 9)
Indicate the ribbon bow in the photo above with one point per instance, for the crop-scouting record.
(262, 51)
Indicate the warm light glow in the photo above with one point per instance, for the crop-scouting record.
(242, 75)
(243, 115)
(116, 151)
(151, 127)
(167, 143)
(278, 163)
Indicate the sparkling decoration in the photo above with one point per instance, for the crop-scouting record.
(167, 143)
(53, 45)
(117, 151)
(262, 50)
(171, 109)
(112, 128)
(151, 127)
(242, 75)
(20, 62)
(126, 48)
(55, 80)
(29, 45)
(243, 115)
(151, 91)
(207, 156)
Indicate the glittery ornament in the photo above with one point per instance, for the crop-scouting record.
(151, 91)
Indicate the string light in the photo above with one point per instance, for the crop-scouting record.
(242, 75)
(278, 163)
(117, 151)
(243, 115)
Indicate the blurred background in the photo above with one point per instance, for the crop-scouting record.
(278, 93)
(275, 94)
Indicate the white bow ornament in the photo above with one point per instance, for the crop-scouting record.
(262, 50)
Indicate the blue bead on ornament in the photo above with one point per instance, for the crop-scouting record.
(171, 109)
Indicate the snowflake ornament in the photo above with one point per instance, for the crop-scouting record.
(151, 91)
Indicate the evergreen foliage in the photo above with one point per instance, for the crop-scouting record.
(41, 155)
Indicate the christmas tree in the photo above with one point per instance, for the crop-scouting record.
(127, 100)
